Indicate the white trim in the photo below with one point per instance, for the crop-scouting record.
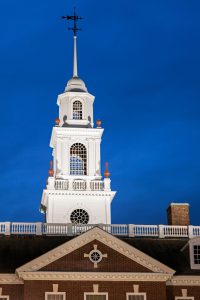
(10, 279)
(105, 238)
(136, 294)
(55, 293)
(94, 276)
(193, 242)
(95, 294)
(185, 281)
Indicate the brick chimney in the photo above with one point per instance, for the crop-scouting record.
(178, 214)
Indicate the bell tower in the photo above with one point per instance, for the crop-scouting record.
(76, 192)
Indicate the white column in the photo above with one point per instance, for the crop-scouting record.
(65, 156)
(91, 157)
(58, 156)
(98, 158)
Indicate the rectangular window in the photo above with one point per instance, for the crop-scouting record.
(100, 296)
(136, 296)
(54, 296)
(4, 297)
(196, 253)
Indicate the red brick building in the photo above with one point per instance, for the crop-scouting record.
(70, 257)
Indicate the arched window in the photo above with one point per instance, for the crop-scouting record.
(78, 159)
(77, 110)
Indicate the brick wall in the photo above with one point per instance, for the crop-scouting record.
(173, 291)
(178, 214)
(75, 261)
(15, 291)
(35, 290)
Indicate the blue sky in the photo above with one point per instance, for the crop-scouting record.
(141, 60)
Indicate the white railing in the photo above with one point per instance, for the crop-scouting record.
(23, 228)
(97, 185)
(79, 185)
(126, 230)
(61, 184)
(144, 230)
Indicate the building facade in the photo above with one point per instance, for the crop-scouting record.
(78, 254)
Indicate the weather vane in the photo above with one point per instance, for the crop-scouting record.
(74, 18)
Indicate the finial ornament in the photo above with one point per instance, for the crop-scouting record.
(57, 121)
(106, 173)
(98, 122)
(74, 18)
(51, 169)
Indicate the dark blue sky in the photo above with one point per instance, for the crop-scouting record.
(141, 59)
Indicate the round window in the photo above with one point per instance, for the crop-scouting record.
(79, 216)
(95, 256)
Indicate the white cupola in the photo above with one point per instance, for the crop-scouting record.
(76, 192)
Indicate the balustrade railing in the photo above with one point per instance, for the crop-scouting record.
(61, 184)
(79, 185)
(126, 230)
(97, 185)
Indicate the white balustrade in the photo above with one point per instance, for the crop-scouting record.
(55, 229)
(2, 228)
(175, 231)
(97, 185)
(130, 230)
(79, 185)
(61, 184)
(195, 231)
(23, 228)
(143, 230)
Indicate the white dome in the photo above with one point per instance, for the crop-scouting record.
(75, 84)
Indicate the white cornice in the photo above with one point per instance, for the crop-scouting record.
(10, 279)
(103, 237)
(80, 193)
(68, 132)
(94, 276)
(185, 280)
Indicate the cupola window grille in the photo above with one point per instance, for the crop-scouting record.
(79, 216)
(77, 110)
(78, 159)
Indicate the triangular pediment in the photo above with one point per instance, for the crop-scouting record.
(96, 237)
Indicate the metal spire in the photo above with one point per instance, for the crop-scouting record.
(75, 19)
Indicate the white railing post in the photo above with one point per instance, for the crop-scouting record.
(190, 231)
(161, 231)
(69, 230)
(38, 228)
(70, 185)
(7, 228)
(88, 188)
(50, 183)
(131, 230)
(107, 182)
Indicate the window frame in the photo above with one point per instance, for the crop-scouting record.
(82, 110)
(74, 166)
(184, 298)
(136, 294)
(95, 294)
(4, 297)
(193, 242)
(54, 293)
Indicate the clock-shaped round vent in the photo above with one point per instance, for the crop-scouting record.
(79, 216)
